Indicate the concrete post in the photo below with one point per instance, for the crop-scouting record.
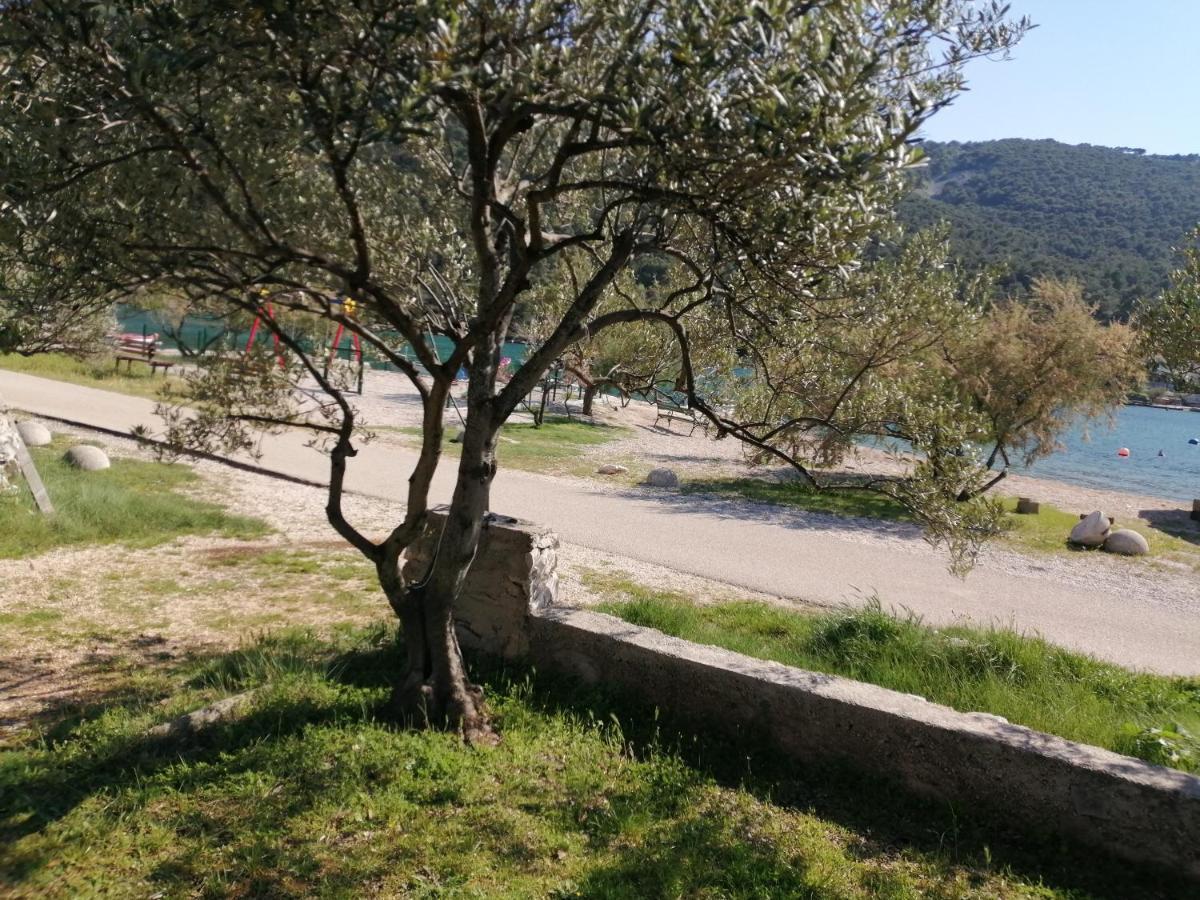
(513, 574)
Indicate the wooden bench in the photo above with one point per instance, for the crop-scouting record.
(131, 348)
(677, 412)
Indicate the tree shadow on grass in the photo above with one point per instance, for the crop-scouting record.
(684, 846)
(887, 818)
(1175, 522)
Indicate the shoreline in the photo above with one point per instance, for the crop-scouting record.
(1066, 495)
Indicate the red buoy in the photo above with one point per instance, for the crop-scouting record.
(1124, 451)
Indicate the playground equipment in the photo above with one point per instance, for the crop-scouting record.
(270, 315)
(348, 309)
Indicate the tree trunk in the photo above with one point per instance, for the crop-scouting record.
(434, 690)
(589, 395)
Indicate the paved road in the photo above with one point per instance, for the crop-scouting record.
(765, 549)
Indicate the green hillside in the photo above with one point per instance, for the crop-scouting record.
(1108, 217)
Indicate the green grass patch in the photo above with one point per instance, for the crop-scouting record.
(555, 446)
(95, 371)
(133, 502)
(310, 793)
(1046, 532)
(1024, 679)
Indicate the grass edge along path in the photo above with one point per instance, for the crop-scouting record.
(1043, 532)
(1027, 680)
(101, 371)
(310, 793)
(134, 502)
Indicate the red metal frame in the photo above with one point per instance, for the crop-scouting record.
(279, 357)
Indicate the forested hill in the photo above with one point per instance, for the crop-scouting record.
(1108, 217)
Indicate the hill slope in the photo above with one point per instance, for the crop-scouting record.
(1108, 217)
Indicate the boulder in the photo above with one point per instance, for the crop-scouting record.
(662, 478)
(1027, 507)
(88, 458)
(1091, 530)
(611, 469)
(201, 720)
(1126, 543)
(34, 434)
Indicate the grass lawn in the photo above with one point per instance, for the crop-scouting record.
(135, 503)
(1026, 680)
(553, 448)
(1045, 532)
(310, 793)
(98, 372)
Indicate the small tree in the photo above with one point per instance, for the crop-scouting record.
(440, 162)
(1033, 368)
(1170, 324)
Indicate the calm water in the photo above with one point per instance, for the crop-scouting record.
(1145, 431)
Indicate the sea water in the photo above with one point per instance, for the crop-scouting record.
(1089, 455)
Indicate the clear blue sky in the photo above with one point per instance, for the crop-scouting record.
(1120, 73)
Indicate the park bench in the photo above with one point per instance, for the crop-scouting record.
(131, 348)
(676, 412)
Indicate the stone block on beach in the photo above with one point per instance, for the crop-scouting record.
(87, 458)
(1091, 530)
(1027, 507)
(662, 478)
(1126, 543)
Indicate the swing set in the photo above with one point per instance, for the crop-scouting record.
(270, 315)
(348, 307)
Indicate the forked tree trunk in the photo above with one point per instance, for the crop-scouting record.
(434, 690)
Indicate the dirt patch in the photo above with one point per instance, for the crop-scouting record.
(74, 619)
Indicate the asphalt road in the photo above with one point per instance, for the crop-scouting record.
(766, 549)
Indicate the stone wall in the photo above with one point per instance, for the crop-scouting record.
(1033, 781)
(515, 573)
(9, 471)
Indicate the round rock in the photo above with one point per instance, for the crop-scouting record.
(1126, 543)
(34, 434)
(1091, 530)
(90, 459)
(662, 478)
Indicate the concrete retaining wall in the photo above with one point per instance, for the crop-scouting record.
(515, 572)
(1035, 781)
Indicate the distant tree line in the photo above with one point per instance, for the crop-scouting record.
(1106, 217)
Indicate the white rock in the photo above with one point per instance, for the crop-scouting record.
(90, 459)
(34, 434)
(611, 469)
(1091, 530)
(1126, 542)
(662, 478)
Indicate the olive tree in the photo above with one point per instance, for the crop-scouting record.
(1169, 324)
(440, 162)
